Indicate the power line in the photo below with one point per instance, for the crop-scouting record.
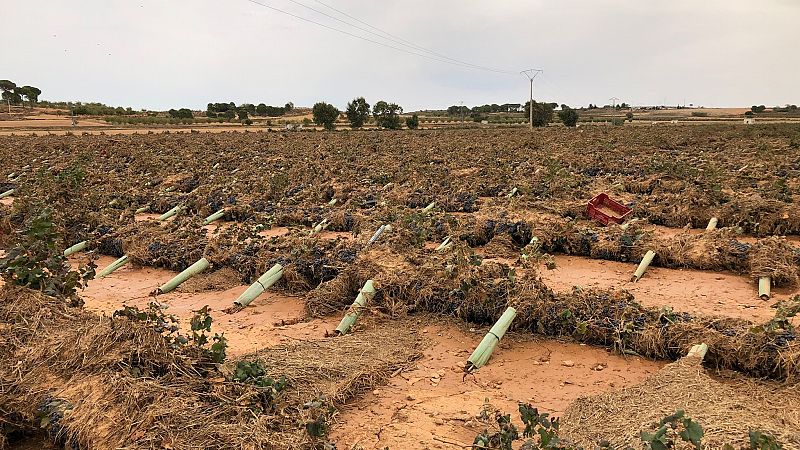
(397, 39)
(531, 74)
(422, 55)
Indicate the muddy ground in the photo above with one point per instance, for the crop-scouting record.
(276, 186)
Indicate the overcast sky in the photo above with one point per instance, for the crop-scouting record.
(159, 54)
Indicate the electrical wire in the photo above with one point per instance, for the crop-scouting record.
(422, 55)
(393, 37)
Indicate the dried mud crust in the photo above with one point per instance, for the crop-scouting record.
(112, 383)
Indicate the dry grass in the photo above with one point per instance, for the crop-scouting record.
(452, 285)
(726, 408)
(111, 383)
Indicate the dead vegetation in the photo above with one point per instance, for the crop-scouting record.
(727, 408)
(106, 382)
(100, 382)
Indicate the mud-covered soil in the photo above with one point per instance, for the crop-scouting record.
(513, 204)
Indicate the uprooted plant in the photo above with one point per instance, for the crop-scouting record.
(542, 432)
(255, 373)
(670, 428)
(155, 317)
(36, 262)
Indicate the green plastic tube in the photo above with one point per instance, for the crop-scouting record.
(80, 246)
(189, 272)
(319, 227)
(484, 350)
(113, 266)
(171, 212)
(332, 202)
(446, 243)
(143, 209)
(376, 235)
(214, 217)
(262, 284)
(698, 350)
(648, 258)
(350, 317)
(512, 193)
(429, 207)
(764, 286)
(8, 193)
(712, 224)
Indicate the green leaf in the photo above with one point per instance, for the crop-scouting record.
(692, 432)
(673, 418)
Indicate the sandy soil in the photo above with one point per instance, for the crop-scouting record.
(261, 324)
(434, 400)
(667, 231)
(430, 400)
(694, 291)
(48, 122)
(141, 217)
(7, 201)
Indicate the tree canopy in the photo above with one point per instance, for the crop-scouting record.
(387, 115)
(542, 112)
(568, 116)
(325, 114)
(14, 94)
(358, 112)
(412, 122)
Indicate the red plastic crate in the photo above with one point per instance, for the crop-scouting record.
(604, 209)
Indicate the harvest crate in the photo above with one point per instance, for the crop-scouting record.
(604, 209)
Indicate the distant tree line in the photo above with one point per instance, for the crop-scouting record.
(358, 113)
(457, 110)
(89, 109)
(230, 110)
(14, 94)
(183, 113)
(779, 109)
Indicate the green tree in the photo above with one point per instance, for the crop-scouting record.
(249, 107)
(183, 113)
(261, 109)
(412, 122)
(568, 116)
(31, 93)
(542, 113)
(7, 85)
(288, 106)
(12, 97)
(357, 112)
(325, 114)
(242, 114)
(387, 115)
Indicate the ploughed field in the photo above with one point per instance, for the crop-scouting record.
(472, 222)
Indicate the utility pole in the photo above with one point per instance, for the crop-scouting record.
(614, 102)
(531, 74)
(462, 111)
